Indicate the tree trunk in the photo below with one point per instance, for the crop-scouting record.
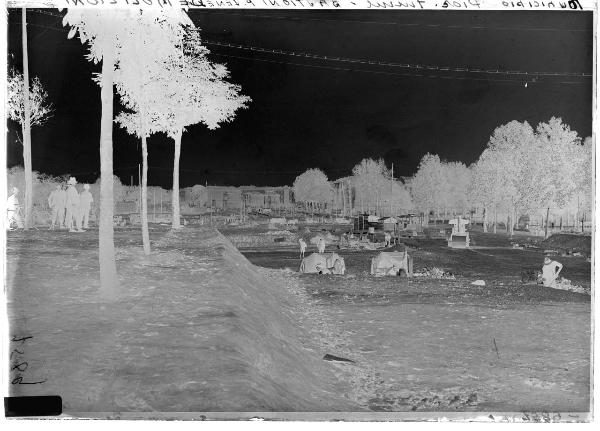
(495, 219)
(175, 224)
(547, 215)
(145, 233)
(345, 203)
(26, 127)
(108, 269)
(350, 202)
(485, 227)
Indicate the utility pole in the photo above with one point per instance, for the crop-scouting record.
(140, 186)
(391, 190)
(26, 127)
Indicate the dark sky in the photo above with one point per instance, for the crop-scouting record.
(303, 117)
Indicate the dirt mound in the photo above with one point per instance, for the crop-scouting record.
(196, 328)
(569, 242)
(253, 239)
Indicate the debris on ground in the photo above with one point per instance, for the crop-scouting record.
(530, 276)
(329, 357)
(478, 283)
(434, 273)
(566, 284)
(569, 241)
(282, 237)
(430, 400)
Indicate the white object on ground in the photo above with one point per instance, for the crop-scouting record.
(323, 263)
(478, 283)
(390, 263)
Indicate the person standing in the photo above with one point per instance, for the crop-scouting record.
(72, 206)
(388, 239)
(321, 246)
(62, 200)
(13, 210)
(56, 202)
(302, 247)
(85, 204)
(550, 271)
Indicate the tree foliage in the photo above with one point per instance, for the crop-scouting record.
(198, 90)
(116, 29)
(41, 110)
(440, 186)
(312, 186)
(375, 188)
(523, 170)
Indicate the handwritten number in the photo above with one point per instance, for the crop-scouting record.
(22, 339)
(19, 381)
(13, 352)
(20, 366)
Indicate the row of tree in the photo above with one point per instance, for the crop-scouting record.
(525, 171)
(372, 188)
(521, 171)
(155, 59)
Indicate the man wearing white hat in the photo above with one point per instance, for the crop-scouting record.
(72, 206)
(85, 204)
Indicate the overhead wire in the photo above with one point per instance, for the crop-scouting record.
(531, 76)
(391, 23)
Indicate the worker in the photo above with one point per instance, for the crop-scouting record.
(72, 216)
(13, 210)
(550, 271)
(321, 246)
(85, 204)
(388, 239)
(63, 198)
(302, 247)
(57, 201)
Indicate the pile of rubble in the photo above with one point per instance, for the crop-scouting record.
(282, 237)
(566, 284)
(434, 272)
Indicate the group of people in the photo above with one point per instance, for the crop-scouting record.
(70, 208)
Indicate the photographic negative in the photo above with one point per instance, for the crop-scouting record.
(355, 214)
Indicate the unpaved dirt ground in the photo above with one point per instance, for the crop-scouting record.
(198, 328)
(448, 345)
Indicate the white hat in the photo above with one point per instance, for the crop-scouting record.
(72, 180)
